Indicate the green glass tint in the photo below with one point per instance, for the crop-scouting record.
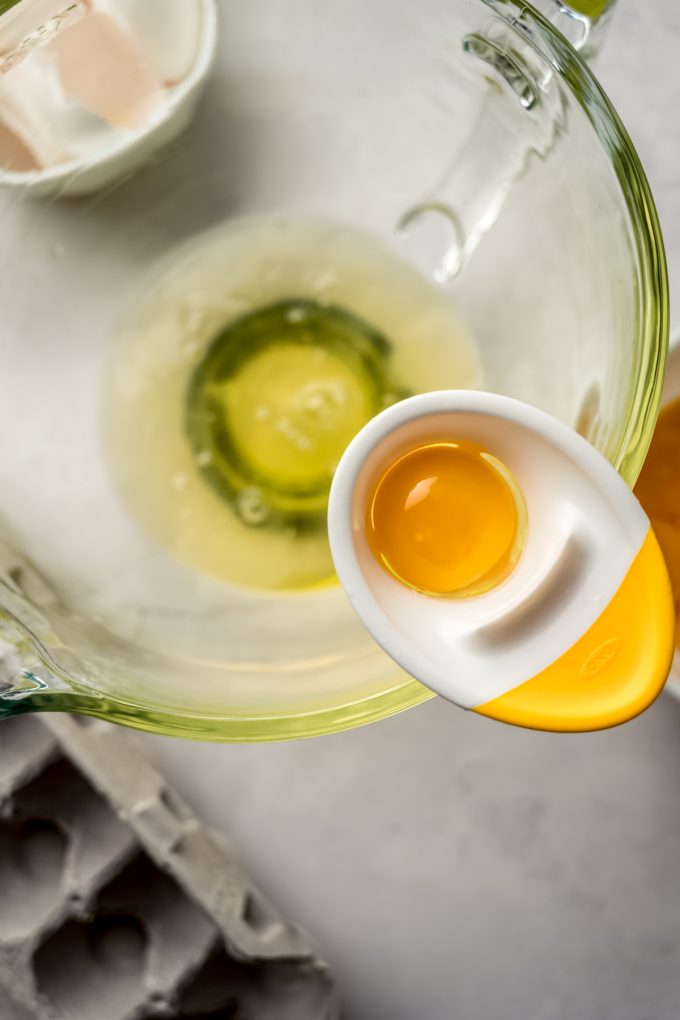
(591, 8)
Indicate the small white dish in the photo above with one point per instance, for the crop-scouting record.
(121, 152)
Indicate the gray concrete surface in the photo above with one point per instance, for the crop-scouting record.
(456, 869)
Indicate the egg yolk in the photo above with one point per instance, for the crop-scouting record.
(447, 519)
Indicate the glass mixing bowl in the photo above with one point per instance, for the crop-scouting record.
(466, 136)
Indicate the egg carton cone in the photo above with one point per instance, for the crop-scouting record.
(115, 904)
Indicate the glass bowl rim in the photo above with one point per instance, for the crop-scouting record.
(406, 692)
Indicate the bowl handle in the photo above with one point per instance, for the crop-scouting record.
(37, 671)
(520, 116)
(30, 679)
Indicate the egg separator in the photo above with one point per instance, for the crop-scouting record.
(499, 559)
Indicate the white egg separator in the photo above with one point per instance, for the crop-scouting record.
(580, 635)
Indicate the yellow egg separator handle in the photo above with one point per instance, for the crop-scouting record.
(575, 633)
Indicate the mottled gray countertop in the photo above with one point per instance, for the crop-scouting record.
(456, 869)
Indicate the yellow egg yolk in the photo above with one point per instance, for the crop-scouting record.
(447, 519)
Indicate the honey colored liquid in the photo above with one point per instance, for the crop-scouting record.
(658, 489)
(251, 359)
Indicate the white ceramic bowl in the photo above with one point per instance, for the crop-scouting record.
(128, 151)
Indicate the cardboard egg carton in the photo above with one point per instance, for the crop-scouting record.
(115, 904)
